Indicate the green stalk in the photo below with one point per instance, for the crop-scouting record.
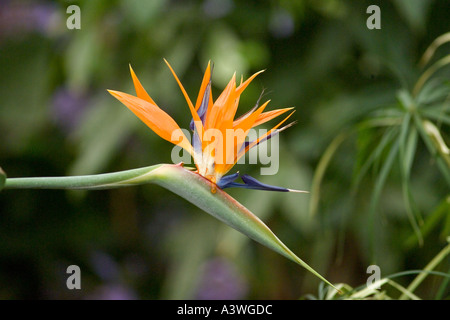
(185, 183)
(98, 181)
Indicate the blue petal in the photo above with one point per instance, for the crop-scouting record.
(224, 182)
(196, 143)
(249, 183)
(203, 106)
(252, 183)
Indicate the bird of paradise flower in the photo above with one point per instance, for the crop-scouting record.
(213, 157)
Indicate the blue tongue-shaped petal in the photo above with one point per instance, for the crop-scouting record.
(250, 183)
(225, 182)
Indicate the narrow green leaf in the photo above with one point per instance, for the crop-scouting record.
(436, 137)
(407, 144)
(379, 185)
(320, 171)
(439, 41)
(410, 149)
(406, 100)
(429, 72)
(439, 116)
(388, 280)
(403, 290)
(404, 129)
(388, 136)
(433, 91)
(442, 165)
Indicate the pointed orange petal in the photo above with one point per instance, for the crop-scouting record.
(240, 133)
(155, 118)
(206, 80)
(227, 167)
(249, 121)
(140, 91)
(215, 113)
(257, 141)
(265, 116)
(244, 85)
(251, 145)
(230, 111)
(197, 120)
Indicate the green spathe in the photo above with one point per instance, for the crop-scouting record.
(185, 183)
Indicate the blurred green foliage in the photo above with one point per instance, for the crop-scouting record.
(377, 172)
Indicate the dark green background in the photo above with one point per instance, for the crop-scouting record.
(56, 119)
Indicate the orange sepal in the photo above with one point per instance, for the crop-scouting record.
(195, 116)
(155, 118)
(206, 80)
(244, 85)
(140, 91)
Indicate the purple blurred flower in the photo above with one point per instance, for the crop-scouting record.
(17, 18)
(68, 107)
(281, 24)
(221, 281)
(112, 292)
(105, 266)
(109, 271)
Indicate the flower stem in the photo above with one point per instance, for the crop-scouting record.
(98, 181)
(187, 184)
